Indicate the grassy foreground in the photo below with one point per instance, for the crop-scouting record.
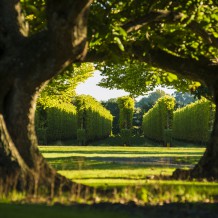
(134, 173)
(131, 173)
(109, 210)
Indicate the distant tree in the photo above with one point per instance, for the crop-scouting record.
(112, 106)
(126, 106)
(148, 102)
(145, 79)
(63, 86)
(144, 104)
(182, 99)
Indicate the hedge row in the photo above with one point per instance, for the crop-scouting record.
(93, 118)
(194, 122)
(158, 119)
(55, 122)
(126, 108)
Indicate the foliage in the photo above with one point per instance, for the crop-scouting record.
(126, 108)
(35, 14)
(62, 87)
(112, 106)
(55, 121)
(127, 36)
(126, 135)
(168, 137)
(93, 117)
(140, 30)
(138, 78)
(57, 117)
(159, 118)
(81, 136)
(137, 121)
(194, 122)
(182, 99)
(118, 23)
(146, 103)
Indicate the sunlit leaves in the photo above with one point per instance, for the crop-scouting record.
(190, 34)
(194, 121)
(126, 107)
(159, 118)
(34, 12)
(93, 117)
(62, 87)
(138, 78)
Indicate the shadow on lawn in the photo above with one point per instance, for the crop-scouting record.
(108, 210)
(69, 163)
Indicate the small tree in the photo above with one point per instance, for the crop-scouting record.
(126, 107)
(112, 106)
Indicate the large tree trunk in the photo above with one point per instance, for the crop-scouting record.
(26, 63)
(24, 167)
(208, 164)
(207, 167)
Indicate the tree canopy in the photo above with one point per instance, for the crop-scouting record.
(62, 87)
(141, 44)
(167, 37)
(149, 101)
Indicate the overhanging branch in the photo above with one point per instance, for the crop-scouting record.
(208, 38)
(154, 16)
(13, 26)
(185, 67)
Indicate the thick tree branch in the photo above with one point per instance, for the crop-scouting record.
(208, 38)
(47, 53)
(35, 60)
(154, 16)
(185, 67)
(13, 27)
(67, 24)
(190, 68)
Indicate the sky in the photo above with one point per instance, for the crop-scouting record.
(89, 87)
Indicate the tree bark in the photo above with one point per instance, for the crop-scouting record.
(208, 164)
(24, 68)
(207, 167)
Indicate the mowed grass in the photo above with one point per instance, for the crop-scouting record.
(59, 211)
(135, 172)
(100, 165)
(109, 211)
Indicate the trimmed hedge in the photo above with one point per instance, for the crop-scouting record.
(126, 136)
(55, 122)
(126, 107)
(159, 119)
(93, 117)
(194, 122)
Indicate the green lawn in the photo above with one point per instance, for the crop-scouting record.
(42, 211)
(109, 211)
(133, 171)
(118, 165)
(127, 174)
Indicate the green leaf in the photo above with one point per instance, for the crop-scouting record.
(119, 43)
(171, 77)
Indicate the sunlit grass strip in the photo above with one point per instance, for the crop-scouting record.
(127, 152)
(118, 182)
(104, 149)
(59, 155)
(116, 173)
